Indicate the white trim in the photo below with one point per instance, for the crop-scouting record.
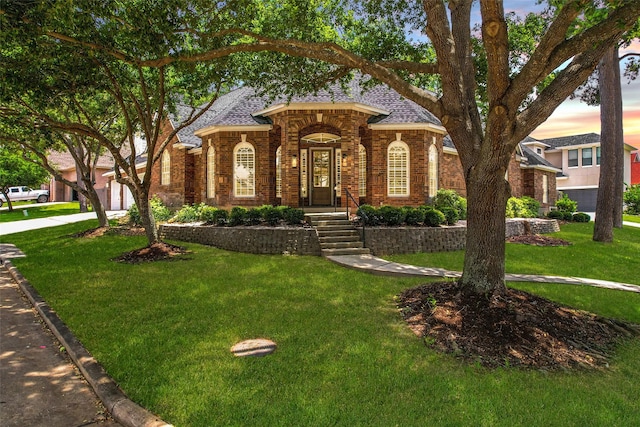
(137, 166)
(535, 143)
(211, 172)
(407, 168)
(580, 187)
(195, 150)
(251, 173)
(184, 145)
(363, 108)
(448, 150)
(542, 167)
(408, 126)
(232, 128)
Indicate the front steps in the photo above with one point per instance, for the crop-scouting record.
(337, 235)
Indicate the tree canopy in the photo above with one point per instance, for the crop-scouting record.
(293, 46)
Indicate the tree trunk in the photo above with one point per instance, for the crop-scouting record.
(98, 208)
(146, 215)
(484, 259)
(610, 137)
(82, 186)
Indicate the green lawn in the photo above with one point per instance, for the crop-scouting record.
(163, 331)
(38, 211)
(631, 218)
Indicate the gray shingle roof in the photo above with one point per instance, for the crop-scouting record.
(533, 158)
(236, 108)
(565, 141)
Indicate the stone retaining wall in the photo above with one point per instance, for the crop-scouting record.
(304, 240)
(407, 240)
(255, 240)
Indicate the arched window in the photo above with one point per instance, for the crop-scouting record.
(398, 169)
(211, 173)
(244, 170)
(362, 171)
(433, 170)
(165, 178)
(279, 172)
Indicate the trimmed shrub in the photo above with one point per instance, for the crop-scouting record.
(159, 210)
(581, 217)
(271, 215)
(450, 215)
(555, 214)
(450, 199)
(213, 215)
(390, 215)
(433, 217)
(292, 216)
(238, 216)
(567, 216)
(254, 216)
(565, 204)
(522, 207)
(369, 215)
(413, 216)
(187, 214)
(632, 199)
(533, 206)
(220, 217)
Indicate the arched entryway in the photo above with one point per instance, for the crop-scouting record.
(320, 166)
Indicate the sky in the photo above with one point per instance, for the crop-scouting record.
(574, 117)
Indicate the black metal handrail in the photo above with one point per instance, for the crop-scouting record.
(364, 215)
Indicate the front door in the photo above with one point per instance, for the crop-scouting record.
(321, 192)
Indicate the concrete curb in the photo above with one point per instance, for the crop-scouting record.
(121, 408)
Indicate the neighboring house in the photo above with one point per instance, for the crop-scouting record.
(64, 162)
(635, 167)
(578, 156)
(384, 149)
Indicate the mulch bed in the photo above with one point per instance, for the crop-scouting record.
(156, 252)
(516, 329)
(537, 240)
(118, 230)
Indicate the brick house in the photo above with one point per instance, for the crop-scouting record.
(577, 158)
(316, 150)
(65, 164)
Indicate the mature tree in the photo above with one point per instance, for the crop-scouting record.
(603, 88)
(371, 39)
(516, 102)
(92, 96)
(17, 169)
(24, 132)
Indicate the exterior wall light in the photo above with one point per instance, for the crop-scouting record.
(294, 161)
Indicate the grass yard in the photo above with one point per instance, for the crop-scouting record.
(345, 358)
(35, 211)
(631, 218)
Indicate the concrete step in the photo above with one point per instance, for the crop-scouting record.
(341, 245)
(333, 222)
(346, 251)
(322, 228)
(313, 219)
(339, 238)
(334, 233)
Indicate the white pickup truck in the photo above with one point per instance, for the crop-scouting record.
(25, 193)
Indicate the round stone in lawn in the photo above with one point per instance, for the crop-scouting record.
(255, 347)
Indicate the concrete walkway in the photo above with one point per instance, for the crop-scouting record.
(375, 265)
(40, 385)
(52, 221)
